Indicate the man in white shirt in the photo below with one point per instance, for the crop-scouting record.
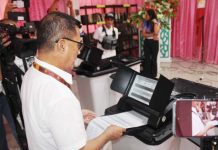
(107, 31)
(52, 114)
(198, 127)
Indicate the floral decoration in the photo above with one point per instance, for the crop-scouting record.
(165, 9)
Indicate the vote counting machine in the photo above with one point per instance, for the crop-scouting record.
(154, 99)
(93, 65)
(147, 100)
(148, 97)
(93, 79)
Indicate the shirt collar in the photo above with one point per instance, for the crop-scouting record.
(108, 28)
(65, 75)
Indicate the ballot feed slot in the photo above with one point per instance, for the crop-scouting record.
(148, 97)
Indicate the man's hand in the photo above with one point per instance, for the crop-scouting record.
(209, 125)
(114, 132)
(10, 7)
(4, 40)
(53, 7)
(69, 4)
(88, 115)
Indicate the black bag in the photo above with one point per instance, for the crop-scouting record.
(109, 42)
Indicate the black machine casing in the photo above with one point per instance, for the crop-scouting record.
(95, 66)
(158, 112)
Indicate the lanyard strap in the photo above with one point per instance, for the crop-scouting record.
(50, 73)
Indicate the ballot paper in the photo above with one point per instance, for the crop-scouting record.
(213, 122)
(126, 120)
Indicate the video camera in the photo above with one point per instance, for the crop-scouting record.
(21, 47)
(12, 30)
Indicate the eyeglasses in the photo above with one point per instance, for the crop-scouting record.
(79, 44)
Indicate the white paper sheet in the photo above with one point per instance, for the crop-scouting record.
(213, 122)
(128, 119)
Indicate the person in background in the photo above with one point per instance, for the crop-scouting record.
(4, 106)
(52, 113)
(69, 5)
(199, 128)
(150, 32)
(106, 37)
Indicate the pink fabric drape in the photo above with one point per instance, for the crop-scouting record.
(183, 30)
(211, 32)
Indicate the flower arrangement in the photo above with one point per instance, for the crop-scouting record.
(165, 9)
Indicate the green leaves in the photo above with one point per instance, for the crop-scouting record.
(165, 10)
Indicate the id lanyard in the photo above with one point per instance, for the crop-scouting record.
(50, 73)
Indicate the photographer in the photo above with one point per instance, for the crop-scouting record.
(4, 106)
(12, 68)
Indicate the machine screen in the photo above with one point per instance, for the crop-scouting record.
(142, 89)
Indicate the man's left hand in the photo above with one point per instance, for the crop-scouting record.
(88, 115)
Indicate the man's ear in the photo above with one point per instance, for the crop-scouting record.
(60, 46)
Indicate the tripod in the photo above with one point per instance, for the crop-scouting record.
(12, 83)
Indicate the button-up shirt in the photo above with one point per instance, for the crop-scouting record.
(52, 114)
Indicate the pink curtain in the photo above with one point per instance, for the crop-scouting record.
(183, 30)
(211, 32)
(110, 2)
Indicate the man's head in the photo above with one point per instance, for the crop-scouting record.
(196, 104)
(109, 19)
(58, 37)
(150, 15)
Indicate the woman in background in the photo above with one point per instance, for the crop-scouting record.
(150, 32)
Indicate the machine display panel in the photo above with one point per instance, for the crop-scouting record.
(142, 89)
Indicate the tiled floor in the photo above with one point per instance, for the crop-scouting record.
(190, 70)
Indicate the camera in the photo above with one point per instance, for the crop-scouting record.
(12, 30)
(21, 47)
